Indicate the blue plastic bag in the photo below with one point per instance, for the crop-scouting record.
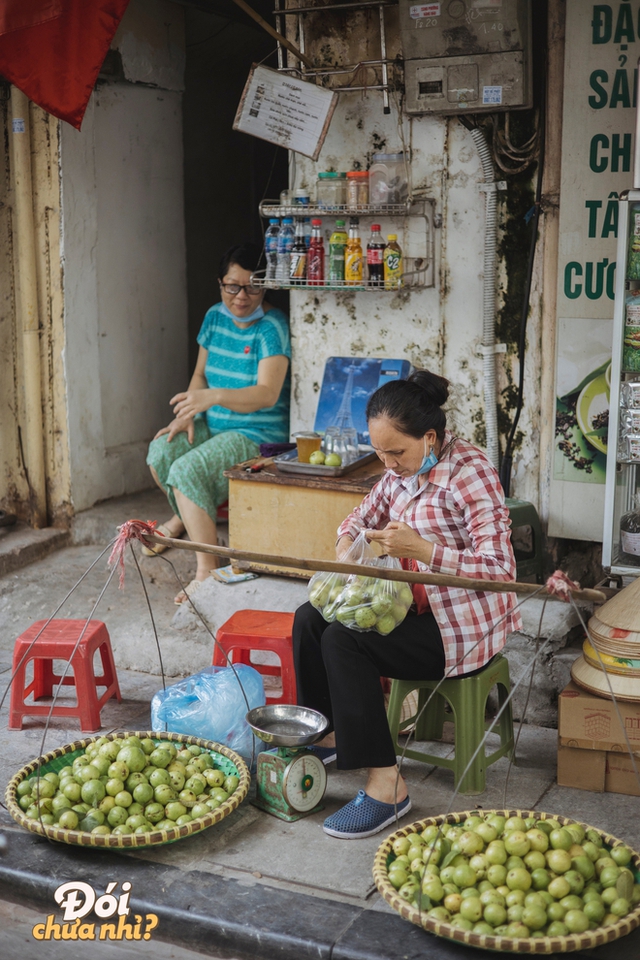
(210, 704)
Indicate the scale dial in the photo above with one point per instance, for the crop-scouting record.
(304, 782)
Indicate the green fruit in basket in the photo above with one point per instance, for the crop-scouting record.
(92, 818)
(118, 815)
(621, 855)
(68, 820)
(118, 771)
(154, 812)
(134, 757)
(92, 792)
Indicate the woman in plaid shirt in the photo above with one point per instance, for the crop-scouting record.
(440, 508)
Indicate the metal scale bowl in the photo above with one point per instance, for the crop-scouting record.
(290, 780)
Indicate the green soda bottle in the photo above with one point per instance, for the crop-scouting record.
(337, 246)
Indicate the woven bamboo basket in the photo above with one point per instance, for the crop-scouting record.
(546, 945)
(224, 759)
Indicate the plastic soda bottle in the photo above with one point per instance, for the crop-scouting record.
(375, 250)
(392, 259)
(285, 244)
(353, 255)
(271, 248)
(315, 256)
(337, 245)
(298, 269)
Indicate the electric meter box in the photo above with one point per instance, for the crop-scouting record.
(466, 56)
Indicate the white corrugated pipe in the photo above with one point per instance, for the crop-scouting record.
(489, 301)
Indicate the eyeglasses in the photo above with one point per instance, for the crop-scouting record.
(233, 289)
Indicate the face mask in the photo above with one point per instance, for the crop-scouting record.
(257, 314)
(427, 461)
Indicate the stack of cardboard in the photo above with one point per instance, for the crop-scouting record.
(592, 748)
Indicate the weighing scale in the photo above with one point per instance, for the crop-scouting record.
(290, 780)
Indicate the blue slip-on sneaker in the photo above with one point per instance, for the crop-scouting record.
(326, 754)
(363, 817)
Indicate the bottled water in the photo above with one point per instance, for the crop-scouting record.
(285, 244)
(271, 248)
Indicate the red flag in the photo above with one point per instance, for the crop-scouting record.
(52, 50)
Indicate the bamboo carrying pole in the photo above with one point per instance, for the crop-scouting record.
(338, 566)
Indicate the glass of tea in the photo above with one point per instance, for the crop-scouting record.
(307, 443)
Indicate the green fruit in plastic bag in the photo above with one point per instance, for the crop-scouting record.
(385, 624)
(319, 595)
(398, 612)
(347, 614)
(365, 618)
(353, 595)
(330, 611)
(381, 604)
(405, 595)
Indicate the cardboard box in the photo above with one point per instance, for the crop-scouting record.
(582, 769)
(592, 723)
(597, 771)
(592, 752)
(620, 777)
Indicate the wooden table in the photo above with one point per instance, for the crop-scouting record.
(292, 515)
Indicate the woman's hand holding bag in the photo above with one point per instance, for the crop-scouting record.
(362, 603)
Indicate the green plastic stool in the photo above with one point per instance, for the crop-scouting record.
(467, 697)
(524, 514)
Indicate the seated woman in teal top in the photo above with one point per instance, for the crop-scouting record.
(238, 397)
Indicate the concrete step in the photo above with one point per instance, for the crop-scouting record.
(21, 545)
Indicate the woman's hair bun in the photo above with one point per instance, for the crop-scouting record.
(436, 387)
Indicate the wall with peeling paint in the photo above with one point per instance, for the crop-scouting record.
(438, 327)
(125, 275)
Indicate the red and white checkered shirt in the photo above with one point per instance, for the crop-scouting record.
(461, 510)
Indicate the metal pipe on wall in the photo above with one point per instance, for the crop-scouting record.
(489, 300)
(27, 305)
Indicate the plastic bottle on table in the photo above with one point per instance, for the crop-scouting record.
(271, 248)
(337, 246)
(353, 255)
(315, 261)
(375, 251)
(392, 263)
(285, 244)
(298, 268)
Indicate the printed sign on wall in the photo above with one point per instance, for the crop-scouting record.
(601, 52)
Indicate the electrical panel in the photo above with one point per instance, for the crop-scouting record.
(466, 56)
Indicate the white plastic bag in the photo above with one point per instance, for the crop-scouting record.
(362, 603)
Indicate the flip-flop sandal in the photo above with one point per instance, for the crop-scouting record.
(7, 519)
(364, 816)
(158, 548)
(188, 592)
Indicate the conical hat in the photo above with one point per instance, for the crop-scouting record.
(614, 640)
(623, 610)
(597, 682)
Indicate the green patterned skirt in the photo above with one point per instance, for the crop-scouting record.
(197, 469)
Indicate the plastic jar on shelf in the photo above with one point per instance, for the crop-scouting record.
(357, 189)
(331, 190)
(387, 178)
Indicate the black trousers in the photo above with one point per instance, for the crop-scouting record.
(338, 672)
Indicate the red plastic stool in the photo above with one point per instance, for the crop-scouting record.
(57, 642)
(249, 630)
